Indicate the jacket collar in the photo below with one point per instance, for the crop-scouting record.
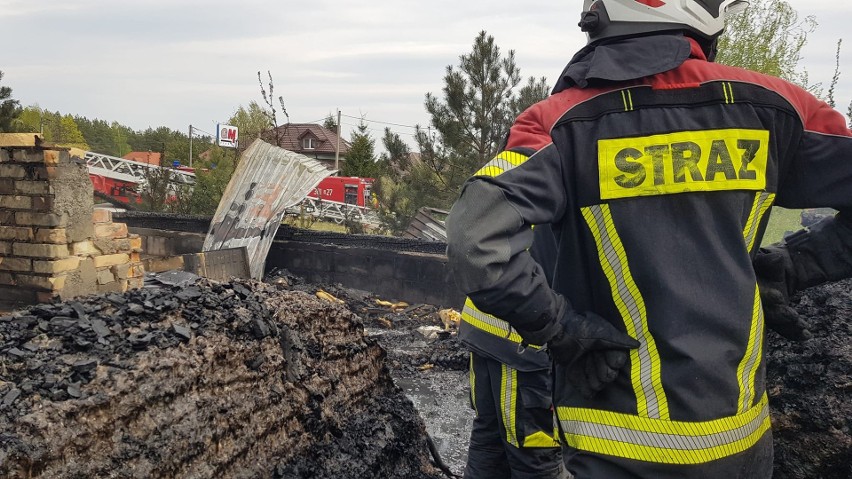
(625, 59)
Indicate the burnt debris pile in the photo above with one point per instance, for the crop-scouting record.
(240, 379)
(810, 389)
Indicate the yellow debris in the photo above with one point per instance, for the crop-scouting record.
(450, 317)
(328, 297)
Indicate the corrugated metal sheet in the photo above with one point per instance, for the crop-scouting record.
(428, 224)
(267, 181)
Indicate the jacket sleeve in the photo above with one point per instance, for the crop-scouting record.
(820, 175)
(488, 231)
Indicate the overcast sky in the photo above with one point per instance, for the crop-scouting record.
(174, 63)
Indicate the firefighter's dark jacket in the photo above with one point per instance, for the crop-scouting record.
(657, 181)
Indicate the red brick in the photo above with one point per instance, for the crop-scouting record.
(27, 218)
(56, 266)
(51, 235)
(111, 230)
(7, 186)
(16, 264)
(16, 233)
(27, 187)
(110, 260)
(12, 171)
(39, 250)
(102, 215)
(16, 202)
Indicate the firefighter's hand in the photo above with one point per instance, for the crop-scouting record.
(771, 265)
(592, 349)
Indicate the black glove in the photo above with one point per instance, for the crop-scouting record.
(591, 348)
(775, 272)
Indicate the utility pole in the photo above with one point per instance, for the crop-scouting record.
(190, 146)
(337, 150)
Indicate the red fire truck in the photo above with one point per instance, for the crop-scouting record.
(345, 189)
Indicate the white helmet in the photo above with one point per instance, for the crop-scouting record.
(616, 18)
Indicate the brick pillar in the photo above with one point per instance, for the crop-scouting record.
(53, 244)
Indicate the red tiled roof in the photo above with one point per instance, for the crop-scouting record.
(149, 157)
(290, 138)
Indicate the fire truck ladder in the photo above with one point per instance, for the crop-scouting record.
(336, 211)
(129, 170)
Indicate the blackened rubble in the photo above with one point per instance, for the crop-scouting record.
(239, 379)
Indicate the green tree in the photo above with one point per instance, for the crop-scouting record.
(29, 120)
(251, 121)
(70, 134)
(361, 159)
(393, 187)
(211, 178)
(330, 123)
(480, 99)
(767, 37)
(9, 108)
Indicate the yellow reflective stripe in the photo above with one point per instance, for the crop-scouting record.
(762, 202)
(540, 439)
(490, 324)
(508, 400)
(662, 441)
(473, 386)
(505, 161)
(747, 369)
(628, 100)
(645, 369)
(731, 92)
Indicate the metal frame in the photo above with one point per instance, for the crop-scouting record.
(335, 211)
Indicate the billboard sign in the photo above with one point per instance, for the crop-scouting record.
(226, 135)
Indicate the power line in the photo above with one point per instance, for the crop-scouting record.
(377, 121)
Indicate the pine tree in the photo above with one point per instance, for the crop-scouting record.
(361, 159)
(9, 108)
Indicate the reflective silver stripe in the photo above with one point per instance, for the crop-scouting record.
(673, 442)
(509, 394)
(754, 352)
(501, 326)
(647, 384)
(668, 441)
(762, 203)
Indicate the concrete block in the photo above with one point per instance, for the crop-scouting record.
(110, 260)
(51, 235)
(105, 276)
(84, 248)
(27, 187)
(16, 233)
(159, 265)
(12, 171)
(56, 266)
(101, 215)
(111, 230)
(119, 286)
(16, 264)
(14, 202)
(121, 271)
(52, 220)
(38, 250)
(135, 283)
(22, 140)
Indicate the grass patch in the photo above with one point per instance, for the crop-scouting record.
(781, 221)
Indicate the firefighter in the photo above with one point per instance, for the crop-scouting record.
(514, 434)
(657, 169)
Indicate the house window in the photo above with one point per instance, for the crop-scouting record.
(309, 143)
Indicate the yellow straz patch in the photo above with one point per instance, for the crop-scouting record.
(704, 160)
